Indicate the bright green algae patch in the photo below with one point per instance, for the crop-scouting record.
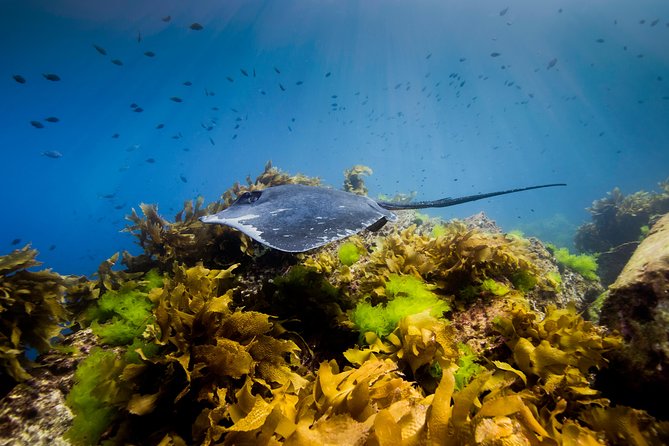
(584, 264)
(348, 253)
(409, 296)
(87, 398)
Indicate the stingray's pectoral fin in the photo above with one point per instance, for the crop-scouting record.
(377, 225)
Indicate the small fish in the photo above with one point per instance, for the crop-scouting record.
(37, 124)
(16, 241)
(133, 105)
(551, 63)
(118, 62)
(196, 27)
(277, 70)
(51, 77)
(20, 79)
(495, 54)
(504, 11)
(51, 119)
(167, 18)
(299, 83)
(600, 40)
(183, 178)
(428, 56)
(100, 50)
(463, 59)
(254, 72)
(115, 136)
(229, 79)
(139, 36)
(188, 83)
(211, 140)
(150, 160)
(138, 109)
(119, 206)
(282, 87)
(108, 196)
(328, 74)
(160, 126)
(654, 22)
(177, 136)
(244, 72)
(176, 99)
(55, 154)
(263, 92)
(52, 247)
(234, 136)
(149, 54)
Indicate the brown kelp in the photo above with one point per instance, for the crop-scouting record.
(425, 332)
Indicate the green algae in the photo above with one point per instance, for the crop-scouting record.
(407, 296)
(348, 253)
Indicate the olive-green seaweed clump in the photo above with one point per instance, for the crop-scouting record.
(31, 310)
(426, 338)
(619, 218)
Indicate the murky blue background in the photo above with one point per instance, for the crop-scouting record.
(445, 98)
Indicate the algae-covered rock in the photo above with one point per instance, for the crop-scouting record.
(638, 307)
(426, 332)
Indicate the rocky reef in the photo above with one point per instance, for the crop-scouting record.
(618, 223)
(423, 332)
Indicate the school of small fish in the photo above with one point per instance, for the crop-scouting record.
(276, 80)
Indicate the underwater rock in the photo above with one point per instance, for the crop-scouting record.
(638, 307)
(34, 412)
(611, 263)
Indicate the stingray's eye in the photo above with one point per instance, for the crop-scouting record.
(254, 196)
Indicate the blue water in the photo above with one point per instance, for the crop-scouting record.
(444, 98)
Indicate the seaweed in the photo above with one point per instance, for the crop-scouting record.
(348, 253)
(354, 179)
(410, 335)
(584, 264)
(32, 310)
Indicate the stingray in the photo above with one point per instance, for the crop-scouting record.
(297, 218)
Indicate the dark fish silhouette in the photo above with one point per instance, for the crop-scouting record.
(188, 83)
(100, 50)
(183, 178)
(55, 154)
(551, 63)
(160, 126)
(297, 218)
(51, 119)
(16, 241)
(118, 62)
(504, 11)
(37, 124)
(166, 18)
(244, 72)
(18, 78)
(51, 77)
(495, 54)
(277, 70)
(149, 54)
(176, 99)
(150, 160)
(196, 26)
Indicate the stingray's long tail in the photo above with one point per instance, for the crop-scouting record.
(445, 202)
